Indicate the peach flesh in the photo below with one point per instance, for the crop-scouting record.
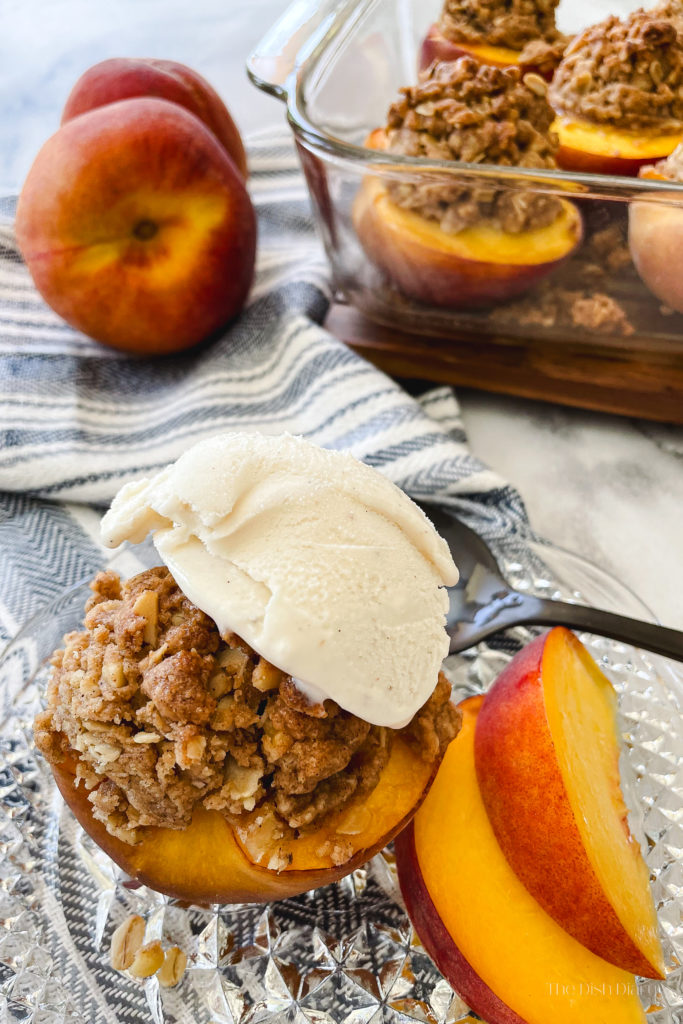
(435, 937)
(600, 149)
(547, 753)
(487, 934)
(209, 862)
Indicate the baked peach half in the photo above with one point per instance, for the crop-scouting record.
(655, 238)
(478, 266)
(505, 956)
(212, 861)
(435, 46)
(547, 759)
(601, 149)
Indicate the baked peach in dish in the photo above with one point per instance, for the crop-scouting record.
(201, 768)
(655, 234)
(618, 93)
(436, 46)
(457, 244)
(504, 955)
(519, 34)
(475, 267)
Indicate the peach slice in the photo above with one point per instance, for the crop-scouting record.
(510, 962)
(475, 267)
(547, 758)
(210, 862)
(600, 149)
(435, 46)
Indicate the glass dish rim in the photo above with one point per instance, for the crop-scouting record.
(577, 184)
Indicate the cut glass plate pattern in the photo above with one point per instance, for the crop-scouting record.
(345, 954)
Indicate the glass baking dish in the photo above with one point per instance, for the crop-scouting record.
(338, 66)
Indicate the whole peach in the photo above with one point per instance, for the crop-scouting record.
(123, 78)
(137, 228)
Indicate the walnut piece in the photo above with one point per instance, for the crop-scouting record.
(147, 960)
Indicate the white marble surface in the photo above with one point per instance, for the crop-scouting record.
(609, 488)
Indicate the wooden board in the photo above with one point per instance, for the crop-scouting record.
(633, 377)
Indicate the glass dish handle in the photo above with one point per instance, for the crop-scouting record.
(288, 42)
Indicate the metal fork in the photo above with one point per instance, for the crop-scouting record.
(483, 604)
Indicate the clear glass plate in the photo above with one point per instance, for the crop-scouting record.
(346, 953)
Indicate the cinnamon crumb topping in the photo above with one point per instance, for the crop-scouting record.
(508, 23)
(160, 720)
(553, 305)
(628, 74)
(478, 114)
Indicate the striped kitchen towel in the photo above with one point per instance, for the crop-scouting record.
(78, 419)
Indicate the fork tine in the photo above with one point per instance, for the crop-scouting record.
(467, 547)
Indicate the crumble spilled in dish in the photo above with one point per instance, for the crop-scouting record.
(161, 714)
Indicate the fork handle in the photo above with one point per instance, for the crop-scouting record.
(646, 635)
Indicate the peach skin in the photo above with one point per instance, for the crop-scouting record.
(137, 228)
(547, 759)
(124, 78)
(510, 962)
(435, 46)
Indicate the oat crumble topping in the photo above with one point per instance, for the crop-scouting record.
(164, 714)
(628, 74)
(672, 166)
(476, 113)
(508, 23)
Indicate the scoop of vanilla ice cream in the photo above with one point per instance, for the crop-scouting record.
(320, 563)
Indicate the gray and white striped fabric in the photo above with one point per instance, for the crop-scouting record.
(78, 419)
